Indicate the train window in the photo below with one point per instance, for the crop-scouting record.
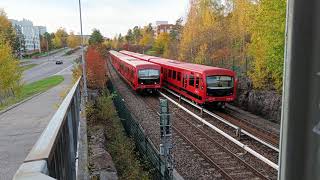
(191, 80)
(174, 74)
(179, 76)
(197, 82)
(169, 75)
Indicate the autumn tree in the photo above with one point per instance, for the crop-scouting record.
(267, 45)
(146, 37)
(96, 37)
(161, 43)
(202, 32)
(10, 74)
(96, 69)
(8, 32)
(73, 40)
(60, 38)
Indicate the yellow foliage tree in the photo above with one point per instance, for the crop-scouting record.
(161, 43)
(60, 38)
(10, 74)
(147, 38)
(73, 40)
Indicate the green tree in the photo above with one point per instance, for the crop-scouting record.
(96, 38)
(136, 34)
(19, 43)
(175, 36)
(129, 37)
(47, 40)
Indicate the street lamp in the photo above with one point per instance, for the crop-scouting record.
(83, 60)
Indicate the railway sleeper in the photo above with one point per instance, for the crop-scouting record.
(227, 163)
(233, 168)
(244, 175)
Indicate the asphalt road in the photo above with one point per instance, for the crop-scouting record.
(21, 126)
(46, 66)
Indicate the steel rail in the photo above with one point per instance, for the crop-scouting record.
(202, 153)
(243, 146)
(224, 121)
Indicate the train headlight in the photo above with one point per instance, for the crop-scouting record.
(142, 83)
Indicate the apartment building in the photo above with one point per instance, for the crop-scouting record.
(162, 26)
(30, 32)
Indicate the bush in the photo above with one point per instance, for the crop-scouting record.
(96, 69)
(121, 148)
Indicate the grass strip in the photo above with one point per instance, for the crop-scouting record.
(26, 67)
(31, 89)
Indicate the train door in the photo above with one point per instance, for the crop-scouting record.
(191, 84)
(198, 85)
(185, 81)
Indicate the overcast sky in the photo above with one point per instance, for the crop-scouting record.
(111, 17)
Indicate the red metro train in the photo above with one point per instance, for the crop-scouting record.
(199, 83)
(140, 75)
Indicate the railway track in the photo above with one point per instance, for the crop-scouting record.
(266, 135)
(213, 151)
(215, 158)
(234, 126)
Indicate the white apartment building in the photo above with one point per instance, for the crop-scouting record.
(31, 33)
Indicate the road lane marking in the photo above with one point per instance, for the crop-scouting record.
(63, 70)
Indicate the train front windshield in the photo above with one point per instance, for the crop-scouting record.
(149, 76)
(219, 85)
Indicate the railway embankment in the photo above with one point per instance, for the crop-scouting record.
(264, 103)
(111, 154)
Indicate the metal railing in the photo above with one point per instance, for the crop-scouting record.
(54, 154)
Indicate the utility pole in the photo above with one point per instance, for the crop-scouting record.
(84, 73)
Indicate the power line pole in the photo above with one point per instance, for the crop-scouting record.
(84, 73)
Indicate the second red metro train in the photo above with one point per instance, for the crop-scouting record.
(140, 75)
(199, 83)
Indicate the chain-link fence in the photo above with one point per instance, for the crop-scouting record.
(142, 142)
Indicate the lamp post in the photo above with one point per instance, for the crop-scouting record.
(83, 60)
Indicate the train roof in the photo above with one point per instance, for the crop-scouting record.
(180, 64)
(141, 56)
(132, 61)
